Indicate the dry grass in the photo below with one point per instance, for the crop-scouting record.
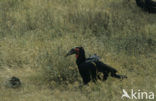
(36, 34)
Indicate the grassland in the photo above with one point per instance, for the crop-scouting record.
(36, 34)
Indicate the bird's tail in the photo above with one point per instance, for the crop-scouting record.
(118, 76)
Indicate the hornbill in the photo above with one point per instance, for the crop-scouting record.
(90, 67)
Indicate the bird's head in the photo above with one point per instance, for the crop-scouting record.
(76, 50)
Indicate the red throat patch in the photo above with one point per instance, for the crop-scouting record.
(77, 52)
(77, 55)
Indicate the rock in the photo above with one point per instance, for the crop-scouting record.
(13, 82)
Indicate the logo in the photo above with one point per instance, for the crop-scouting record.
(137, 95)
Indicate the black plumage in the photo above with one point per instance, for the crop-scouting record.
(90, 67)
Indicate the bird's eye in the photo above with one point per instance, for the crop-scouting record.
(77, 49)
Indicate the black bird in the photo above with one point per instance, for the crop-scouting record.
(89, 67)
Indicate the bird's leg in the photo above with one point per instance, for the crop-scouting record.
(86, 77)
(105, 76)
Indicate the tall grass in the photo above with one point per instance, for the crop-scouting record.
(36, 34)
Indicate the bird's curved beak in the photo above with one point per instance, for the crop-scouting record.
(71, 52)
